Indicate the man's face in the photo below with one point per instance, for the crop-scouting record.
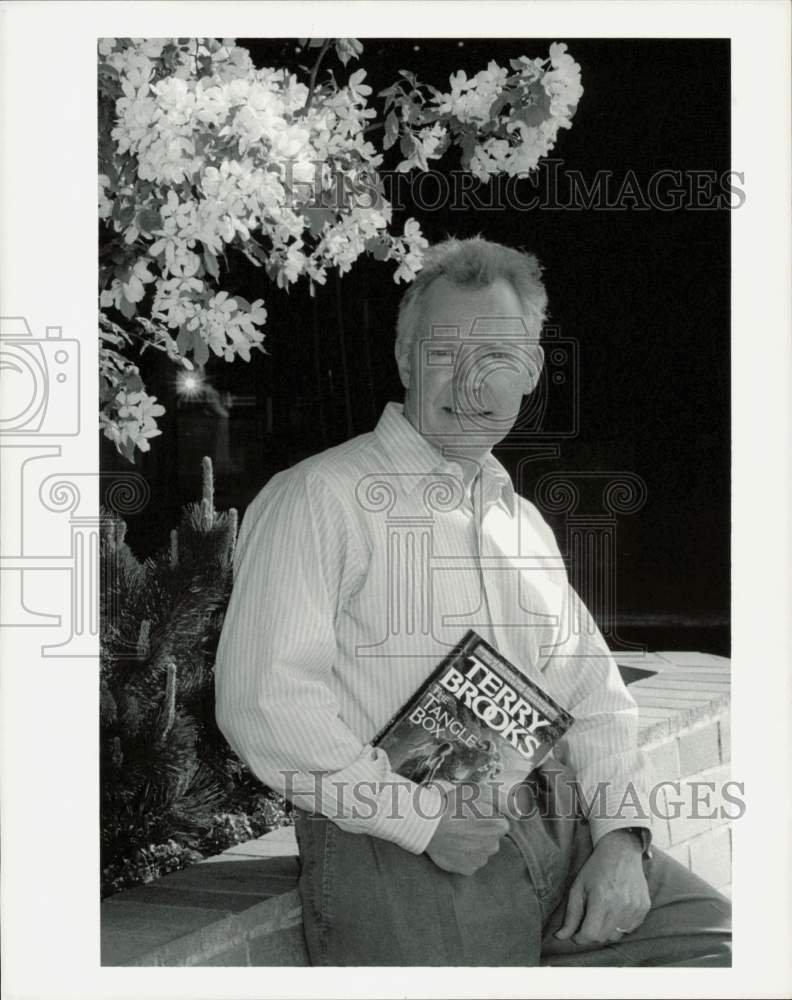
(469, 365)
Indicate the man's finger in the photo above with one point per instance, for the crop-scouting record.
(597, 925)
(574, 913)
(493, 847)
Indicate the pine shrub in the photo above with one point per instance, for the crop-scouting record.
(172, 790)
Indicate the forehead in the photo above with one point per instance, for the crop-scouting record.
(451, 310)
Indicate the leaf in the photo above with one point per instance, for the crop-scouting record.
(256, 250)
(126, 212)
(210, 263)
(500, 102)
(468, 142)
(134, 383)
(343, 54)
(200, 350)
(128, 450)
(191, 341)
(420, 156)
(391, 130)
(357, 78)
(128, 308)
(184, 340)
(407, 144)
(147, 220)
(534, 114)
(106, 390)
(317, 217)
(379, 248)
(253, 260)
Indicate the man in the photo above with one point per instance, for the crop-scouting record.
(355, 572)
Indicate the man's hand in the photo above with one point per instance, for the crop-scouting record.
(469, 830)
(609, 892)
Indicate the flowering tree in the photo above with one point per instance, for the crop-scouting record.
(201, 156)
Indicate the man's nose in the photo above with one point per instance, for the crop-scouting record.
(468, 378)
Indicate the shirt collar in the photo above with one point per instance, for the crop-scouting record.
(410, 452)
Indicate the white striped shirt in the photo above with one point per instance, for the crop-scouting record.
(355, 572)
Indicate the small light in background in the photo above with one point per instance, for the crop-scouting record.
(189, 384)
(460, 44)
(416, 48)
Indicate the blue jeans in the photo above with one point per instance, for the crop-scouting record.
(367, 902)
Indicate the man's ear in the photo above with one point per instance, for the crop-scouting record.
(403, 363)
(534, 373)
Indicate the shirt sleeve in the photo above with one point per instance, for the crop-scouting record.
(297, 560)
(602, 745)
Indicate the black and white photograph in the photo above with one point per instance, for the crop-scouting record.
(419, 599)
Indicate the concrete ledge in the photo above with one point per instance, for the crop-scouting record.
(678, 691)
(210, 914)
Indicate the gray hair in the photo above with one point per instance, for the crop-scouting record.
(475, 263)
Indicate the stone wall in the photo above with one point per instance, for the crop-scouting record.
(685, 732)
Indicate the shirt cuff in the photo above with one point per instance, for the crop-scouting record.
(600, 827)
(409, 819)
(395, 808)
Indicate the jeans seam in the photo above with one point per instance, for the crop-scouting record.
(324, 916)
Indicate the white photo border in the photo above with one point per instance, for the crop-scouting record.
(50, 821)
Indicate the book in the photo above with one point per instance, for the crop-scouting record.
(474, 715)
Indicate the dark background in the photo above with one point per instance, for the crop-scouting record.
(644, 293)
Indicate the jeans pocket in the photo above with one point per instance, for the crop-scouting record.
(544, 860)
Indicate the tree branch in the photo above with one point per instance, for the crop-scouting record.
(312, 82)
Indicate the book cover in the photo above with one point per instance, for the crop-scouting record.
(473, 713)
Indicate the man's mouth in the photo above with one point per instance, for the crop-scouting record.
(467, 413)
